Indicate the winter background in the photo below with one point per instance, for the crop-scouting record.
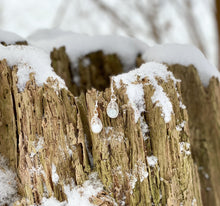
(154, 22)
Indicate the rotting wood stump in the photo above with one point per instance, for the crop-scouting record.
(203, 106)
(42, 129)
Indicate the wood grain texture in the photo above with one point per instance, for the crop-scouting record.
(47, 127)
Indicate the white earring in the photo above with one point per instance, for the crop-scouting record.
(96, 124)
(112, 108)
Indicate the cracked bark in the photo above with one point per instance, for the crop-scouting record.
(60, 122)
(203, 105)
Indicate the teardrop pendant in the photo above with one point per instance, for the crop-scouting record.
(96, 125)
(112, 109)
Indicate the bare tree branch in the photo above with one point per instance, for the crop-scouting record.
(150, 18)
(123, 24)
(185, 9)
(60, 14)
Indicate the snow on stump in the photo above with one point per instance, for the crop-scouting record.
(145, 156)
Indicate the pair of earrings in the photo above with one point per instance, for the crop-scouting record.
(112, 112)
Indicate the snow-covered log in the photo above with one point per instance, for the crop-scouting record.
(142, 157)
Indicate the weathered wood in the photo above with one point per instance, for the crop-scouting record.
(51, 129)
(8, 129)
(203, 105)
(51, 120)
(125, 154)
(49, 132)
(61, 65)
(92, 70)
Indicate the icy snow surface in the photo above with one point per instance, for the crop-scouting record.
(78, 45)
(9, 37)
(78, 195)
(151, 71)
(8, 189)
(29, 60)
(184, 55)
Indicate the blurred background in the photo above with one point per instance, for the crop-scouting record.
(194, 22)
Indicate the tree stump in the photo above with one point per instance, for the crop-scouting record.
(46, 135)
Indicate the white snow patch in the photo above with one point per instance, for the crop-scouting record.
(208, 189)
(185, 148)
(206, 175)
(194, 202)
(9, 37)
(78, 195)
(161, 100)
(144, 128)
(8, 186)
(180, 126)
(182, 106)
(161, 196)
(122, 202)
(133, 181)
(36, 170)
(139, 170)
(78, 45)
(55, 176)
(52, 201)
(135, 94)
(118, 171)
(201, 169)
(142, 171)
(70, 151)
(152, 160)
(37, 146)
(113, 134)
(29, 60)
(151, 71)
(184, 55)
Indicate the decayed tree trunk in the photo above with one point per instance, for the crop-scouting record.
(42, 129)
(203, 105)
(94, 70)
